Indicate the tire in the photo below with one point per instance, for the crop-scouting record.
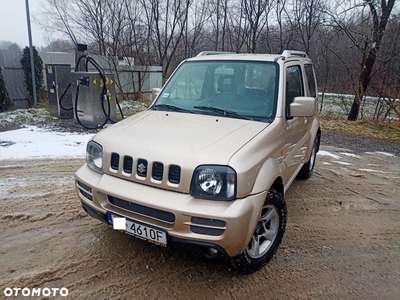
(308, 168)
(267, 235)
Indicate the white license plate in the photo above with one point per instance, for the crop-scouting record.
(147, 233)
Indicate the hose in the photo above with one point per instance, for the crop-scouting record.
(119, 107)
(61, 98)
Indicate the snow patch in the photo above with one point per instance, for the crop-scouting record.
(370, 170)
(387, 154)
(383, 153)
(326, 163)
(350, 154)
(342, 163)
(326, 153)
(34, 142)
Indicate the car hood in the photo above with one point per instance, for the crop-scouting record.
(172, 138)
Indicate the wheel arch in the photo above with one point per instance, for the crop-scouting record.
(278, 185)
(317, 135)
(268, 176)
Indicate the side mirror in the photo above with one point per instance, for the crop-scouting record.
(302, 107)
(155, 93)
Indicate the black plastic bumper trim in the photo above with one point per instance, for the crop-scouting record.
(199, 248)
(94, 213)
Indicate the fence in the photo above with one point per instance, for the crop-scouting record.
(130, 80)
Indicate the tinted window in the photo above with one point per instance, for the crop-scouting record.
(247, 88)
(311, 80)
(294, 85)
(188, 85)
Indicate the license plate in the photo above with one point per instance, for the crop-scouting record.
(144, 232)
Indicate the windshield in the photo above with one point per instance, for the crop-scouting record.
(244, 89)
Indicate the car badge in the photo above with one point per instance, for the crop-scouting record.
(141, 168)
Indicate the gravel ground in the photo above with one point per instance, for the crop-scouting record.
(342, 239)
(359, 144)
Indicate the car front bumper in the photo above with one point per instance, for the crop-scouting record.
(192, 224)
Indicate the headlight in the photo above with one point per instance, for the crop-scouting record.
(94, 156)
(214, 183)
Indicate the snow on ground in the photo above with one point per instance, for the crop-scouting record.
(342, 163)
(326, 153)
(350, 154)
(371, 170)
(33, 142)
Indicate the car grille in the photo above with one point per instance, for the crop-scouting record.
(114, 161)
(128, 163)
(206, 231)
(174, 174)
(85, 190)
(158, 170)
(207, 226)
(142, 210)
(140, 168)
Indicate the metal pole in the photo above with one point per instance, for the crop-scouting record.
(28, 21)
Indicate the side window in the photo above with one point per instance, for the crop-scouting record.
(294, 85)
(311, 80)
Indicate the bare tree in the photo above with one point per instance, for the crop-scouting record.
(278, 34)
(305, 17)
(236, 25)
(195, 29)
(367, 40)
(256, 13)
(167, 22)
(57, 17)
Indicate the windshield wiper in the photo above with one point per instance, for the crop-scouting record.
(225, 112)
(171, 107)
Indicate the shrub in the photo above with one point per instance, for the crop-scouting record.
(26, 66)
(5, 101)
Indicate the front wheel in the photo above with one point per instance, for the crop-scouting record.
(267, 235)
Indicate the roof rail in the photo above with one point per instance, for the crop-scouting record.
(290, 53)
(214, 53)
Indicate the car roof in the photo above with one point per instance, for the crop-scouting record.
(217, 55)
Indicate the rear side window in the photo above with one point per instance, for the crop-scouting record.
(311, 80)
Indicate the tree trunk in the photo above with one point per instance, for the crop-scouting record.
(379, 27)
(354, 110)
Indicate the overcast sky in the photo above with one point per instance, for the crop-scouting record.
(13, 25)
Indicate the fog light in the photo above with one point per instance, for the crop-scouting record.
(212, 252)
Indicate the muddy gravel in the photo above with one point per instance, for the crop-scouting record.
(342, 239)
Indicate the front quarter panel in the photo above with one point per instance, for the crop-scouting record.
(258, 155)
(267, 174)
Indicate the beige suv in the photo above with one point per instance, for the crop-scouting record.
(206, 167)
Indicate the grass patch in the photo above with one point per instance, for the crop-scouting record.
(129, 108)
(40, 115)
(367, 128)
